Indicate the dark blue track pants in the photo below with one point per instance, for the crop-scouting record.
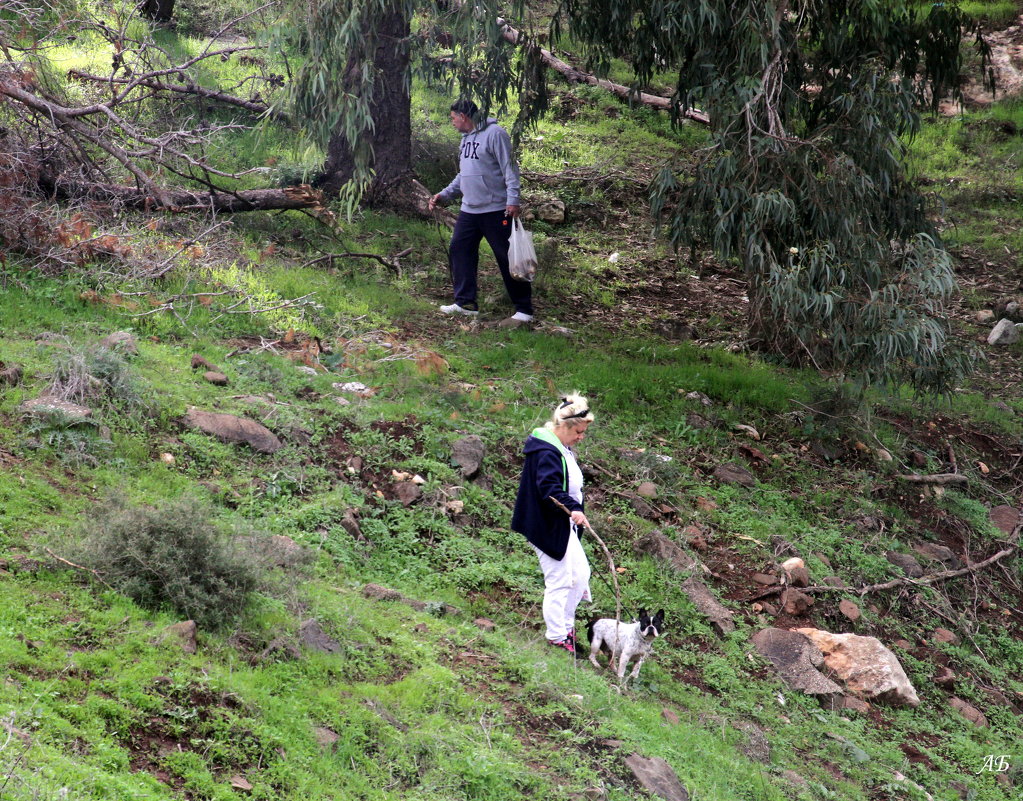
(464, 258)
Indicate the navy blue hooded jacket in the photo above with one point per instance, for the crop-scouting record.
(544, 476)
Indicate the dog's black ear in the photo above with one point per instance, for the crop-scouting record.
(659, 615)
(642, 613)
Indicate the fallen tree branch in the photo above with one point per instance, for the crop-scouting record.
(390, 262)
(574, 75)
(217, 95)
(938, 479)
(924, 581)
(95, 574)
(187, 200)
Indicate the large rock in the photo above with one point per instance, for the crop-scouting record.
(313, 637)
(657, 777)
(468, 453)
(662, 547)
(704, 600)
(868, 669)
(796, 659)
(229, 428)
(47, 404)
(1005, 332)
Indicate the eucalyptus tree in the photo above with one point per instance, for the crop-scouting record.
(804, 183)
(351, 90)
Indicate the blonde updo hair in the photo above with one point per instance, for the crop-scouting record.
(571, 410)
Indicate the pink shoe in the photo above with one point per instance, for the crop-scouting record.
(566, 643)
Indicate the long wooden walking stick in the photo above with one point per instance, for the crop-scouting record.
(610, 562)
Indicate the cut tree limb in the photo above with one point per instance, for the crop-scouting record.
(574, 75)
(938, 479)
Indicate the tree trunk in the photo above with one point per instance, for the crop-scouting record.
(158, 10)
(392, 118)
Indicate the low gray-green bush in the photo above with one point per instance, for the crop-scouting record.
(174, 556)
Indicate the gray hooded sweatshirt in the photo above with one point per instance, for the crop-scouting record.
(488, 178)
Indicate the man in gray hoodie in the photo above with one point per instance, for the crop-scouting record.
(488, 181)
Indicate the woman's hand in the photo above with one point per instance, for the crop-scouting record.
(580, 519)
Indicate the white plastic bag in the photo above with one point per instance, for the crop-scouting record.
(521, 253)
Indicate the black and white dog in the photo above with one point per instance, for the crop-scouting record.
(625, 642)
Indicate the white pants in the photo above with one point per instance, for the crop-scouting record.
(567, 582)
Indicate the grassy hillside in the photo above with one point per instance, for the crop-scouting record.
(444, 688)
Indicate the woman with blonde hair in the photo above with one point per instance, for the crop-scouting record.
(549, 513)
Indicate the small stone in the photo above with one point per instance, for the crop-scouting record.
(944, 635)
(765, 579)
(770, 609)
(854, 703)
(217, 379)
(670, 716)
(455, 507)
(907, 563)
(185, 633)
(700, 398)
(695, 537)
(795, 603)
(198, 361)
(732, 473)
(883, 455)
(648, 489)
(834, 581)
(849, 609)
(484, 624)
(706, 505)
(945, 678)
(10, 374)
(350, 386)
(918, 459)
(305, 368)
(468, 454)
(1004, 518)
(326, 738)
(905, 645)
(241, 783)
(167, 458)
(408, 493)
(968, 711)
(123, 341)
(984, 316)
(313, 637)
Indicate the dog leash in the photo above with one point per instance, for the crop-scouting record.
(610, 562)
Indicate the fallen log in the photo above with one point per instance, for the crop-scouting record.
(177, 201)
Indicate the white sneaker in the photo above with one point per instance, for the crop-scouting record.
(454, 308)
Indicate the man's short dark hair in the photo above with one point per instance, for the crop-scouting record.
(466, 107)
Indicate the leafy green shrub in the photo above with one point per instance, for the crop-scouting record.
(172, 556)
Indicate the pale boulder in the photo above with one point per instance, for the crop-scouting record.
(865, 666)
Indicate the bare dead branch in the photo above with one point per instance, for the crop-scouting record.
(574, 75)
(938, 479)
(151, 81)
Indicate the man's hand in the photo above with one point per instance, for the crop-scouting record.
(511, 211)
(578, 517)
(434, 200)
